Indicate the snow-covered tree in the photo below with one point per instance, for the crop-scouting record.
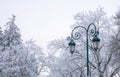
(38, 54)
(100, 60)
(115, 42)
(1, 40)
(18, 59)
(12, 33)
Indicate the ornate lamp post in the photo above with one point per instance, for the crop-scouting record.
(89, 32)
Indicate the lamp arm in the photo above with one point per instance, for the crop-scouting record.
(93, 31)
(77, 35)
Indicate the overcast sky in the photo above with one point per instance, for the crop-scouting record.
(46, 20)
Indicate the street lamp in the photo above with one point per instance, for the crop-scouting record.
(72, 46)
(75, 35)
(95, 41)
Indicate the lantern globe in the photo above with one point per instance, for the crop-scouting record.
(96, 42)
(72, 46)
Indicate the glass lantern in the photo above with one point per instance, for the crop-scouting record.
(72, 46)
(95, 42)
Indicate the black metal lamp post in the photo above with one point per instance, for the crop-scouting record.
(89, 32)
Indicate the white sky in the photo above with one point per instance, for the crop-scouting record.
(46, 20)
